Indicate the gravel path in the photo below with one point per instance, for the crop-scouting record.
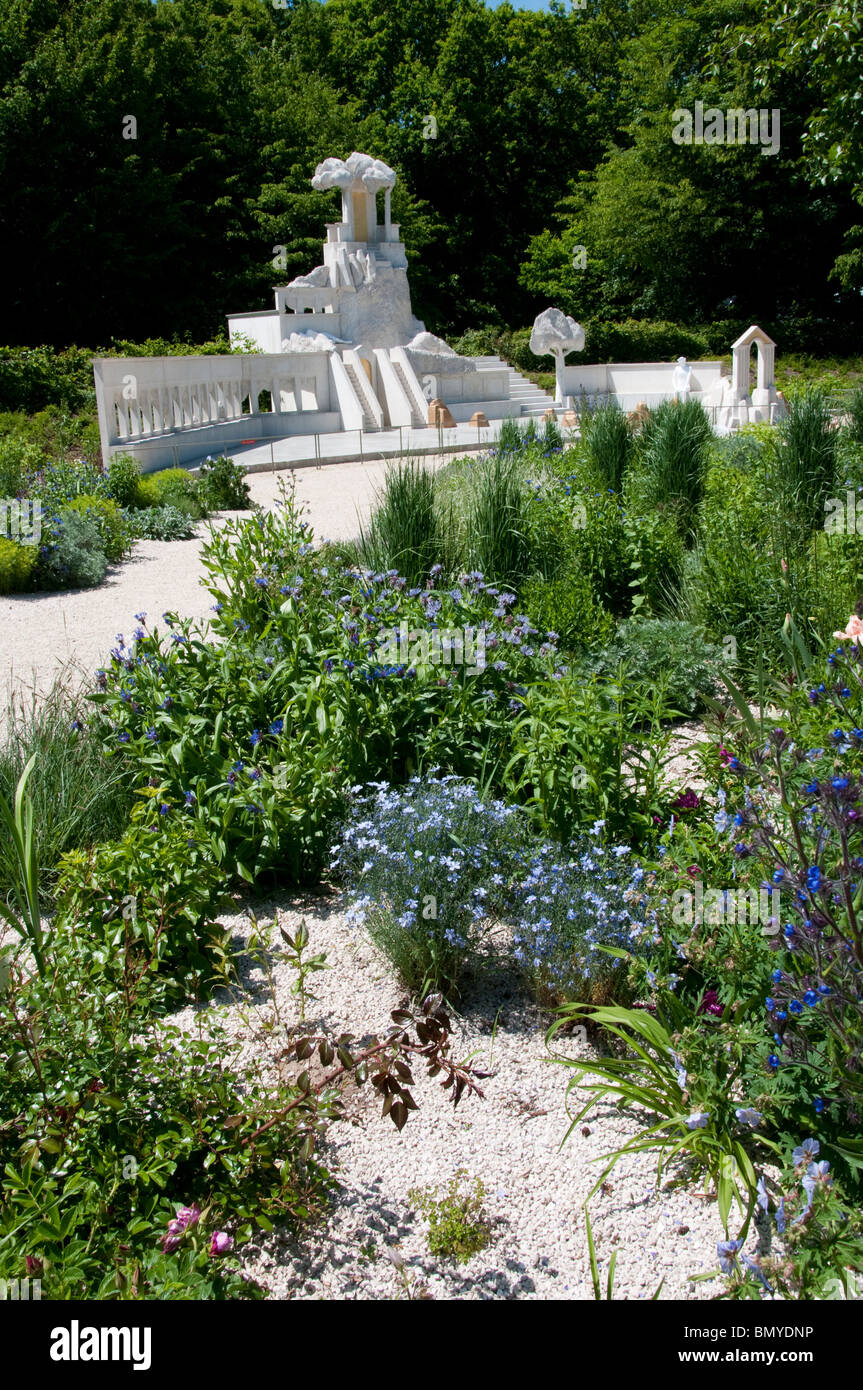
(45, 632)
(510, 1140)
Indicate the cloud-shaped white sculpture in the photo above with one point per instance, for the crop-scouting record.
(310, 342)
(554, 331)
(373, 174)
(318, 278)
(431, 354)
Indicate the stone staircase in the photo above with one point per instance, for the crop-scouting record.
(418, 417)
(361, 390)
(529, 399)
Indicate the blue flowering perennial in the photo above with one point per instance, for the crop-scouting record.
(569, 907)
(430, 865)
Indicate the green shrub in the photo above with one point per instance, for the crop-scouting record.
(602, 551)
(173, 487)
(676, 653)
(223, 485)
(146, 902)
(567, 606)
(17, 563)
(72, 555)
(147, 492)
(112, 526)
(161, 524)
(656, 559)
(123, 480)
(20, 460)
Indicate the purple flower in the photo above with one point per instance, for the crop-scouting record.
(221, 1243)
(152, 735)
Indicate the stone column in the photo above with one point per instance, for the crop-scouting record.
(766, 356)
(387, 214)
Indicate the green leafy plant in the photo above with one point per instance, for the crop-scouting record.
(223, 485)
(72, 554)
(295, 954)
(652, 1071)
(122, 477)
(25, 917)
(17, 563)
(114, 531)
(675, 652)
(166, 523)
(458, 1226)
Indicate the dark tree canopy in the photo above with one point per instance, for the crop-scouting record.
(518, 136)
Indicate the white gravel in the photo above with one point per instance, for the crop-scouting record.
(510, 1140)
(43, 633)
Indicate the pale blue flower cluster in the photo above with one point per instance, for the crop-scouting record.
(571, 906)
(443, 863)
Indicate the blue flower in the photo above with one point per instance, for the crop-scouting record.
(810, 998)
(255, 738)
(773, 1061)
(749, 1117)
(152, 735)
(805, 1152)
(727, 1251)
(780, 1217)
(813, 879)
(698, 1120)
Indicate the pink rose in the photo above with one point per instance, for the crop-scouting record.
(188, 1216)
(853, 630)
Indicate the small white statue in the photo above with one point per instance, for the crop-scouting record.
(680, 379)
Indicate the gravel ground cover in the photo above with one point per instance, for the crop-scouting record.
(510, 1140)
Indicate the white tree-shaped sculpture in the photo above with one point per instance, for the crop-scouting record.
(555, 333)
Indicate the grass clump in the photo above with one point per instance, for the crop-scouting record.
(405, 532)
(80, 797)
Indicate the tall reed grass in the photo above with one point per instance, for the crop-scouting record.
(79, 796)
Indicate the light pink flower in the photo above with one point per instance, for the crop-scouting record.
(853, 630)
(221, 1243)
